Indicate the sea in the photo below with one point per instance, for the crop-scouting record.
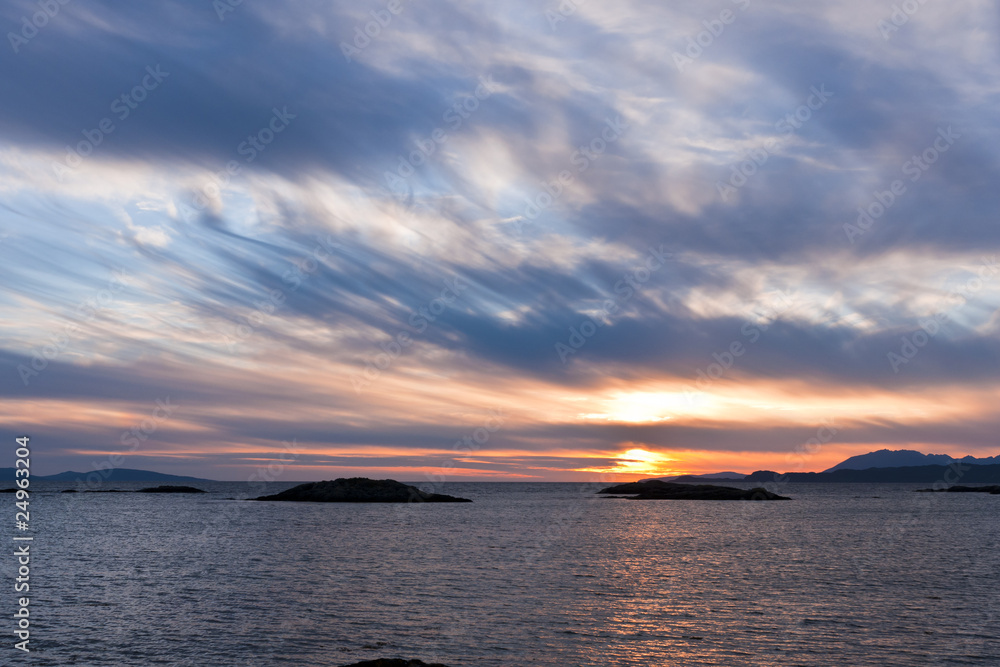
(546, 574)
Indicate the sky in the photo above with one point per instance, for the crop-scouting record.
(524, 241)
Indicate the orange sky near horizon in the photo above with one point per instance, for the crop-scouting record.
(631, 433)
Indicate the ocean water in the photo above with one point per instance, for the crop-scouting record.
(527, 574)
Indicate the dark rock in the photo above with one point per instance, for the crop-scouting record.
(361, 490)
(8, 490)
(68, 491)
(928, 474)
(171, 489)
(995, 490)
(394, 662)
(654, 489)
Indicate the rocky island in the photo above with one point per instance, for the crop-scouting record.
(654, 489)
(394, 662)
(171, 489)
(153, 489)
(361, 490)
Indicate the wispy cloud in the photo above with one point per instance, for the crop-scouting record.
(216, 214)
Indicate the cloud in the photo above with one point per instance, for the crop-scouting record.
(282, 211)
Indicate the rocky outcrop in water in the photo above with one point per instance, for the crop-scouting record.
(171, 489)
(395, 662)
(361, 490)
(994, 490)
(654, 489)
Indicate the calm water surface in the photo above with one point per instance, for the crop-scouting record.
(528, 574)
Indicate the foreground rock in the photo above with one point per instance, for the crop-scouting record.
(361, 490)
(995, 490)
(654, 489)
(396, 662)
(171, 489)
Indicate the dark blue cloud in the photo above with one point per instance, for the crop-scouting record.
(386, 255)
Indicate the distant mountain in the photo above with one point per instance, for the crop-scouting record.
(900, 458)
(730, 476)
(960, 472)
(113, 475)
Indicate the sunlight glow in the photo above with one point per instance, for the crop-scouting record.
(644, 407)
(636, 461)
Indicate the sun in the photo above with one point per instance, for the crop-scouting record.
(641, 456)
(637, 461)
(640, 461)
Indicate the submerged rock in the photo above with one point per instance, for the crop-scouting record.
(361, 490)
(994, 490)
(171, 489)
(654, 489)
(394, 662)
